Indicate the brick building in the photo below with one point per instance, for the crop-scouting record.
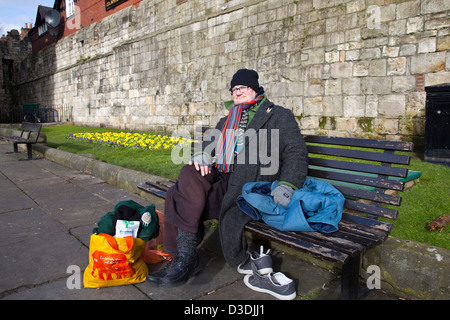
(74, 15)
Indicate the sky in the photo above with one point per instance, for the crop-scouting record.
(15, 13)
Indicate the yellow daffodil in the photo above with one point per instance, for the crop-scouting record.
(133, 139)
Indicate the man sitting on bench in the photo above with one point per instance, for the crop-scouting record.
(207, 188)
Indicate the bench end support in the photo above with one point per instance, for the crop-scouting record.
(350, 279)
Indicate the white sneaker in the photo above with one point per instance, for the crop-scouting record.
(275, 284)
(262, 261)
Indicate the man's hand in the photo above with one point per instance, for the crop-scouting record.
(204, 170)
(282, 194)
(201, 163)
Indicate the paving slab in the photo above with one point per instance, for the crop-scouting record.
(12, 198)
(58, 290)
(35, 249)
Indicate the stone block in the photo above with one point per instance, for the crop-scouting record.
(386, 126)
(353, 35)
(432, 79)
(415, 104)
(427, 45)
(320, 4)
(333, 87)
(355, 6)
(390, 52)
(408, 50)
(392, 105)
(354, 106)
(307, 123)
(403, 83)
(370, 53)
(436, 24)
(408, 9)
(315, 89)
(313, 106)
(347, 125)
(341, 70)
(332, 106)
(332, 56)
(397, 66)
(428, 62)
(447, 62)
(414, 25)
(316, 56)
(412, 127)
(361, 69)
(432, 6)
(351, 86)
(443, 43)
(376, 85)
(352, 55)
(377, 68)
(371, 106)
(397, 28)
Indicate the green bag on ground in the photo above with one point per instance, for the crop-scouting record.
(106, 223)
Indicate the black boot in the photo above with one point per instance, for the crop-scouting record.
(184, 264)
(155, 276)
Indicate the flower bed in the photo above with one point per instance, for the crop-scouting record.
(132, 139)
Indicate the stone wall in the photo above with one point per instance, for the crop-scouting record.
(345, 68)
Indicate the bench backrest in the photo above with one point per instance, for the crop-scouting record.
(361, 169)
(28, 128)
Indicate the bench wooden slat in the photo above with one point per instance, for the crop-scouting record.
(150, 189)
(366, 239)
(358, 234)
(371, 209)
(370, 195)
(362, 143)
(358, 179)
(368, 222)
(290, 240)
(360, 167)
(365, 234)
(17, 139)
(359, 154)
(351, 238)
(361, 239)
(331, 241)
(30, 126)
(158, 185)
(165, 184)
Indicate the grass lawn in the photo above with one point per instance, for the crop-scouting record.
(157, 162)
(426, 201)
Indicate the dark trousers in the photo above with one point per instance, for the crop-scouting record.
(193, 199)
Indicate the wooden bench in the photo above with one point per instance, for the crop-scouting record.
(25, 137)
(359, 229)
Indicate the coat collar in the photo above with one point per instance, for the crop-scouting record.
(263, 114)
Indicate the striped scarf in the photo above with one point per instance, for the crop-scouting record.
(232, 136)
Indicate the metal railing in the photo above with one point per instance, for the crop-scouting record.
(16, 114)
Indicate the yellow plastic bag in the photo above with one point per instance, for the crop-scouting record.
(114, 261)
